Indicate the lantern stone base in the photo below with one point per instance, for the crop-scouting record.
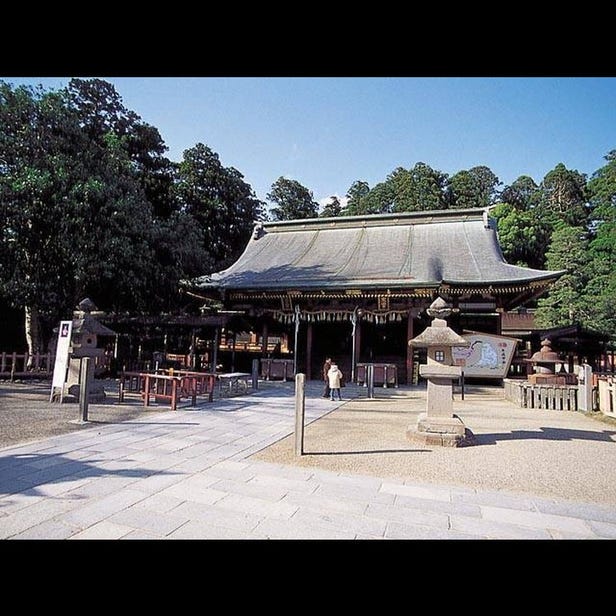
(441, 431)
(96, 393)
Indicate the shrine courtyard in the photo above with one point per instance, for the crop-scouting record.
(226, 470)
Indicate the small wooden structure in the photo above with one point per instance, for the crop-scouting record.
(383, 374)
(272, 369)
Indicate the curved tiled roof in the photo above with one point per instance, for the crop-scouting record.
(418, 249)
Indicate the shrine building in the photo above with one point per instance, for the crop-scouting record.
(355, 288)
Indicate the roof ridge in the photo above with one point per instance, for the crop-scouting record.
(370, 220)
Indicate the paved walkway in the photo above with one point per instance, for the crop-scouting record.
(188, 475)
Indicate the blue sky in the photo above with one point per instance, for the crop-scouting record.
(328, 132)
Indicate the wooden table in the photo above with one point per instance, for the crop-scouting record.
(233, 382)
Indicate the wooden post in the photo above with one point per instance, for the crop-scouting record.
(3, 365)
(297, 320)
(409, 348)
(215, 351)
(264, 338)
(146, 391)
(174, 394)
(370, 380)
(300, 381)
(309, 352)
(84, 387)
(354, 320)
(358, 342)
(233, 352)
(255, 373)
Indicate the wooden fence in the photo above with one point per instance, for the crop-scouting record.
(553, 397)
(15, 365)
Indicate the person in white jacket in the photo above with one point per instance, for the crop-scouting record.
(334, 375)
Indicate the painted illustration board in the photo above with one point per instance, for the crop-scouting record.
(488, 356)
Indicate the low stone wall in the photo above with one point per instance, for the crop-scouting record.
(555, 397)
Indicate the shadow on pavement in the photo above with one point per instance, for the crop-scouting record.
(365, 451)
(23, 473)
(547, 434)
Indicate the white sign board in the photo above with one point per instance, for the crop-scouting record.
(488, 356)
(61, 364)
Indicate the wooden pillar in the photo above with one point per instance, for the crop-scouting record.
(409, 348)
(309, 352)
(357, 345)
(215, 349)
(233, 352)
(264, 337)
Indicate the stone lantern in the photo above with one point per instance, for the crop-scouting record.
(438, 425)
(84, 343)
(544, 362)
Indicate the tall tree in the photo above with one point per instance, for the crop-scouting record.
(565, 303)
(564, 197)
(522, 235)
(601, 290)
(220, 201)
(332, 208)
(357, 191)
(380, 199)
(476, 187)
(293, 201)
(522, 194)
(40, 148)
(102, 113)
(75, 217)
(418, 189)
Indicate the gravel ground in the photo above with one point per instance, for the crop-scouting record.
(27, 415)
(554, 454)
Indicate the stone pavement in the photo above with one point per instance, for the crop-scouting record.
(187, 474)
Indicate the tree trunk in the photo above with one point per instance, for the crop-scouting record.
(33, 333)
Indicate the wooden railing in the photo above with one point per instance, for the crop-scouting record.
(16, 364)
(554, 397)
(167, 388)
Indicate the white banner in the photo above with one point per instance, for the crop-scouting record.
(61, 364)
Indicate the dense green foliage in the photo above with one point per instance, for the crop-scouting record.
(332, 208)
(293, 201)
(564, 223)
(90, 206)
(221, 203)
